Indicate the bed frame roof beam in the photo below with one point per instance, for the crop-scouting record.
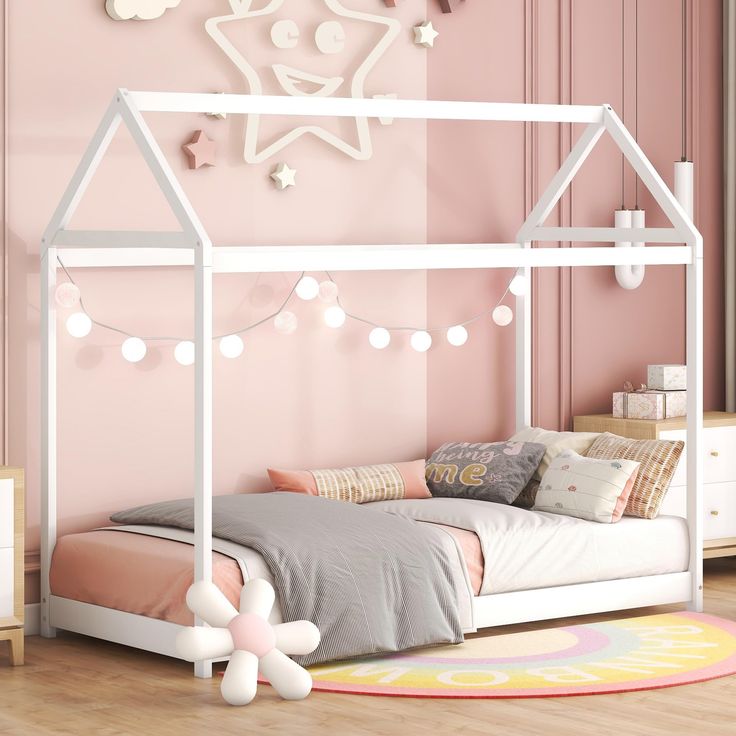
(274, 258)
(192, 102)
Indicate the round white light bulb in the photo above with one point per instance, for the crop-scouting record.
(335, 317)
(421, 341)
(328, 291)
(79, 324)
(457, 335)
(307, 288)
(502, 315)
(518, 285)
(379, 338)
(67, 294)
(133, 349)
(184, 352)
(231, 346)
(285, 323)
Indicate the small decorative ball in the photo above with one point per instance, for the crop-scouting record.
(67, 294)
(133, 349)
(518, 285)
(231, 346)
(184, 352)
(307, 288)
(457, 335)
(285, 323)
(502, 315)
(79, 324)
(335, 317)
(421, 341)
(379, 338)
(328, 291)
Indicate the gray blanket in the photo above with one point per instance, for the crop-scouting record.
(372, 582)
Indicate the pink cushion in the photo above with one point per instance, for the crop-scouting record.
(356, 484)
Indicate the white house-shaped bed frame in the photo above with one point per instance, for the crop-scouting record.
(191, 246)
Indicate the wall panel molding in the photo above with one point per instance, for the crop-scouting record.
(565, 276)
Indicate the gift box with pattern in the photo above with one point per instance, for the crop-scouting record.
(667, 377)
(649, 404)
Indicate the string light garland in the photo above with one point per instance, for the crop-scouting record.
(134, 347)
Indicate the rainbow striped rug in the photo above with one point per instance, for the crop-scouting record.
(612, 657)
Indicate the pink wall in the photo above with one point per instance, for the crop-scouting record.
(322, 397)
(590, 335)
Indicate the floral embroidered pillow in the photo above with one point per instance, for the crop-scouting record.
(484, 471)
(587, 488)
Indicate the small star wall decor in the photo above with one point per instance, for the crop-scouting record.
(284, 177)
(445, 5)
(200, 150)
(425, 34)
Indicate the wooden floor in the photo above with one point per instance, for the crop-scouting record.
(75, 685)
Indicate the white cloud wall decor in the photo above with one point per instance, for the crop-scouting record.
(138, 9)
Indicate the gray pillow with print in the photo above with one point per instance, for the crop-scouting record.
(484, 471)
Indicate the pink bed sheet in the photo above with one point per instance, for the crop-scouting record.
(150, 576)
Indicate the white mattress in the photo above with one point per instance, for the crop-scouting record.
(525, 549)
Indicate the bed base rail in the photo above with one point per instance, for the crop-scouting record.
(154, 635)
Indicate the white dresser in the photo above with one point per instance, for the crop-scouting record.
(719, 470)
(11, 561)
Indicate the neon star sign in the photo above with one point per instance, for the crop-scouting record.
(331, 38)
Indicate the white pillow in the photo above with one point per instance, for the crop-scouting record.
(555, 442)
(586, 487)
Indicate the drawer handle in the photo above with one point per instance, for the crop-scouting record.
(714, 512)
(714, 453)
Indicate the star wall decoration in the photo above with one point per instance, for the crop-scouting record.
(425, 34)
(445, 5)
(284, 177)
(331, 37)
(200, 150)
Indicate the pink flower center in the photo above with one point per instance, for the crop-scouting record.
(251, 633)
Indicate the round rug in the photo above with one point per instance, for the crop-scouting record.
(612, 657)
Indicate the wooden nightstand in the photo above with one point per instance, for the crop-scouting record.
(719, 470)
(12, 537)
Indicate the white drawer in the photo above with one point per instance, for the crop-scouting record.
(719, 511)
(7, 511)
(719, 508)
(6, 582)
(719, 455)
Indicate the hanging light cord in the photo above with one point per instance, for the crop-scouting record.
(684, 80)
(172, 338)
(408, 328)
(636, 94)
(623, 98)
(284, 303)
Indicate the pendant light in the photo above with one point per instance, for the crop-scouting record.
(684, 169)
(630, 276)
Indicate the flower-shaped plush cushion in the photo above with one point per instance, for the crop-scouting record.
(252, 643)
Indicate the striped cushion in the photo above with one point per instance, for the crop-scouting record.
(658, 460)
(363, 484)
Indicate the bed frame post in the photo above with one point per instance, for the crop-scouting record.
(203, 423)
(695, 421)
(524, 350)
(48, 429)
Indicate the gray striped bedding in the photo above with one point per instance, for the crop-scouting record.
(372, 582)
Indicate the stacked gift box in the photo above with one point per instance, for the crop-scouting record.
(663, 397)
